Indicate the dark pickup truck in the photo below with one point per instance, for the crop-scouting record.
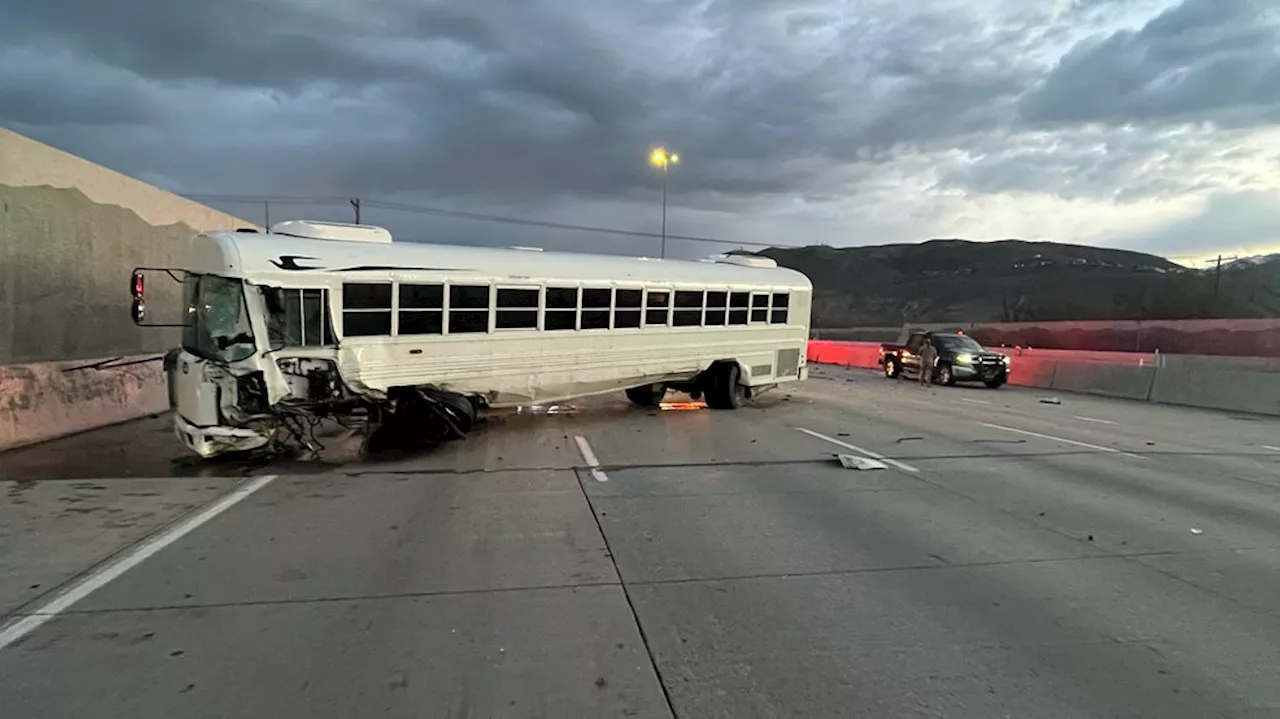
(960, 359)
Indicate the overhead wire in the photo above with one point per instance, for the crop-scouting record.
(476, 216)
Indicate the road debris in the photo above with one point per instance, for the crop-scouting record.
(1050, 400)
(1197, 531)
(853, 461)
(900, 440)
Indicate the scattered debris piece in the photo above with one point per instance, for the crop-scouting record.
(853, 461)
(1050, 400)
(1090, 537)
(601, 682)
(842, 434)
(999, 441)
(1042, 514)
(1197, 531)
(900, 440)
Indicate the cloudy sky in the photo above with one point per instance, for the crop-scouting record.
(1146, 124)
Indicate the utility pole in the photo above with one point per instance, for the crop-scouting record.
(266, 213)
(1217, 273)
(356, 204)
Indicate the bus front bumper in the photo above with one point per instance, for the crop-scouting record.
(210, 441)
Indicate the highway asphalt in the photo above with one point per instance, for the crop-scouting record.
(1013, 558)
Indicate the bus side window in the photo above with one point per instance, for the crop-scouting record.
(517, 309)
(781, 303)
(596, 304)
(626, 312)
(468, 309)
(562, 309)
(738, 304)
(717, 309)
(421, 310)
(366, 309)
(759, 308)
(688, 309)
(657, 306)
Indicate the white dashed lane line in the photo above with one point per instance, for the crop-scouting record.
(1109, 450)
(1094, 420)
(590, 458)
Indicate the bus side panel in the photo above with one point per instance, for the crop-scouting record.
(531, 367)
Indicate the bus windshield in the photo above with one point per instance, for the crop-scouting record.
(217, 326)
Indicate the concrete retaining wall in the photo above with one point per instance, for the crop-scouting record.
(71, 232)
(47, 400)
(1238, 384)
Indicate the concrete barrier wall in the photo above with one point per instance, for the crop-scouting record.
(1238, 384)
(1227, 389)
(71, 232)
(1119, 380)
(52, 399)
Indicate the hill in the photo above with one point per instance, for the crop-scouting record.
(1014, 281)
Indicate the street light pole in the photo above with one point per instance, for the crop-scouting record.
(663, 254)
(662, 159)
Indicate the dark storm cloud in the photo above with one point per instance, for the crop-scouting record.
(513, 98)
(794, 111)
(1202, 59)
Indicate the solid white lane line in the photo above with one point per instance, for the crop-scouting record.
(1093, 419)
(100, 577)
(1052, 438)
(590, 458)
(974, 401)
(892, 462)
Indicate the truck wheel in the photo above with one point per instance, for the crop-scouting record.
(892, 370)
(945, 377)
(724, 391)
(648, 396)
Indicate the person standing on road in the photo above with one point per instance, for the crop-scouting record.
(928, 356)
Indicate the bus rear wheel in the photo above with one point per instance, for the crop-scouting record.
(648, 396)
(724, 389)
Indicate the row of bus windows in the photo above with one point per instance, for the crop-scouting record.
(367, 308)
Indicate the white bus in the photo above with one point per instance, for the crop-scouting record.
(314, 320)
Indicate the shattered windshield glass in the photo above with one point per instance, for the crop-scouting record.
(217, 326)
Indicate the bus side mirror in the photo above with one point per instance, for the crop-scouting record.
(137, 287)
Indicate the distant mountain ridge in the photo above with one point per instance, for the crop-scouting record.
(945, 280)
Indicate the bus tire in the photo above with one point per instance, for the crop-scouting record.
(648, 395)
(724, 389)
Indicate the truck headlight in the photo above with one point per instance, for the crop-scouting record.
(964, 358)
(1005, 360)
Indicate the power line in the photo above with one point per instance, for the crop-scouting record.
(477, 216)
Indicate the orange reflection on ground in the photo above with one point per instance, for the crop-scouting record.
(681, 406)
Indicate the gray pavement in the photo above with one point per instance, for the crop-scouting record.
(1093, 558)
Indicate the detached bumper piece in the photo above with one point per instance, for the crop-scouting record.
(210, 441)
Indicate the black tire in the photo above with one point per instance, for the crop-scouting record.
(724, 391)
(460, 409)
(945, 376)
(647, 396)
(892, 369)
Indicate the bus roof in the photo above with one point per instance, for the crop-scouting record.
(284, 259)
